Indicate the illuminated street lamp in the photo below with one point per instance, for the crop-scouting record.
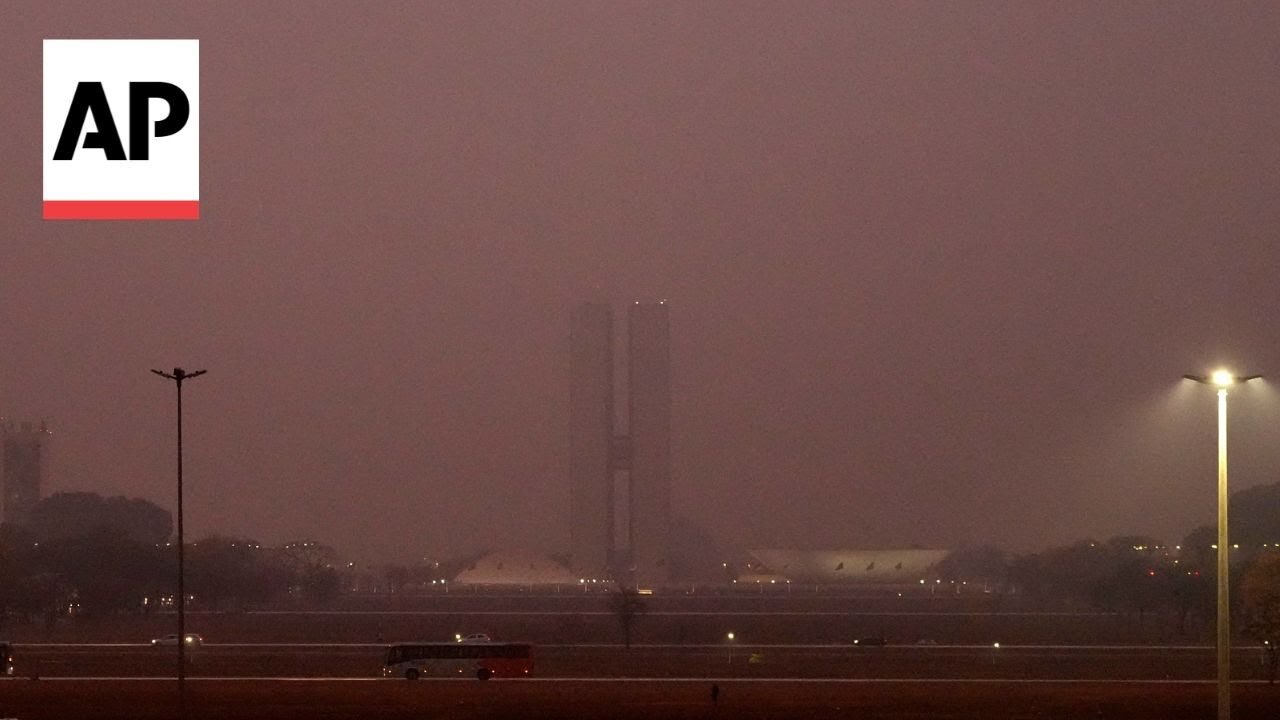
(730, 637)
(1223, 379)
(178, 375)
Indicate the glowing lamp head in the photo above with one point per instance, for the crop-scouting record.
(1222, 378)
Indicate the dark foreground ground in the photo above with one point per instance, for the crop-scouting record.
(465, 700)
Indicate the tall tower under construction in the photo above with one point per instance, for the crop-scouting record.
(599, 454)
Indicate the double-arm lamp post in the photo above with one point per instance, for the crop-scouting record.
(1223, 380)
(178, 375)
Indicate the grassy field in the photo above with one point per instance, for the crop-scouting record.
(667, 620)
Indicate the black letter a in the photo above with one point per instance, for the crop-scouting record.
(89, 98)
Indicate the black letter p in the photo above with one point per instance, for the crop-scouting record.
(140, 94)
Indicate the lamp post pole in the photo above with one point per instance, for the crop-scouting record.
(1223, 380)
(178, 375)
(1224, 589)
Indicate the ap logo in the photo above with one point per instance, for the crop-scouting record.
(121, 129)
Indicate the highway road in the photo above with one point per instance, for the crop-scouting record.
(754, 661)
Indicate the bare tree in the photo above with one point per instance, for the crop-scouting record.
(626, 606)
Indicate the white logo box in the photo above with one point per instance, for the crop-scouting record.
(89, 186)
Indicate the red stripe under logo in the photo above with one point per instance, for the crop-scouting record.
(121, 209)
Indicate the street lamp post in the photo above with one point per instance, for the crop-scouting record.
(1223, 380)
(178, 375)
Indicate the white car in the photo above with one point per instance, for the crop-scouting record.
(476, 638)
(172, 640)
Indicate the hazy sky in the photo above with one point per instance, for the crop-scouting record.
(934, 269)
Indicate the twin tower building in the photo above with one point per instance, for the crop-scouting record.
(620, 473)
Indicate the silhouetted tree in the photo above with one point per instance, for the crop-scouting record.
(984, 563)
(1062, 573)
(301, 554)
(107, 571)
(1198, 547)
(222, 570)
(1192, 592)
(396, 577)
(312, 569)
(76, 514)
(1261, 604)
(17, 560)
(1131, 576)
(319, 583)
(1027, 575)
(1125, 572)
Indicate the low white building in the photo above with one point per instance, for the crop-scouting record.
(515, 567)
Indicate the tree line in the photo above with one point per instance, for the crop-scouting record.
(83, 554)
(1141, 575)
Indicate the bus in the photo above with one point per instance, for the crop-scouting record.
(482, 660)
